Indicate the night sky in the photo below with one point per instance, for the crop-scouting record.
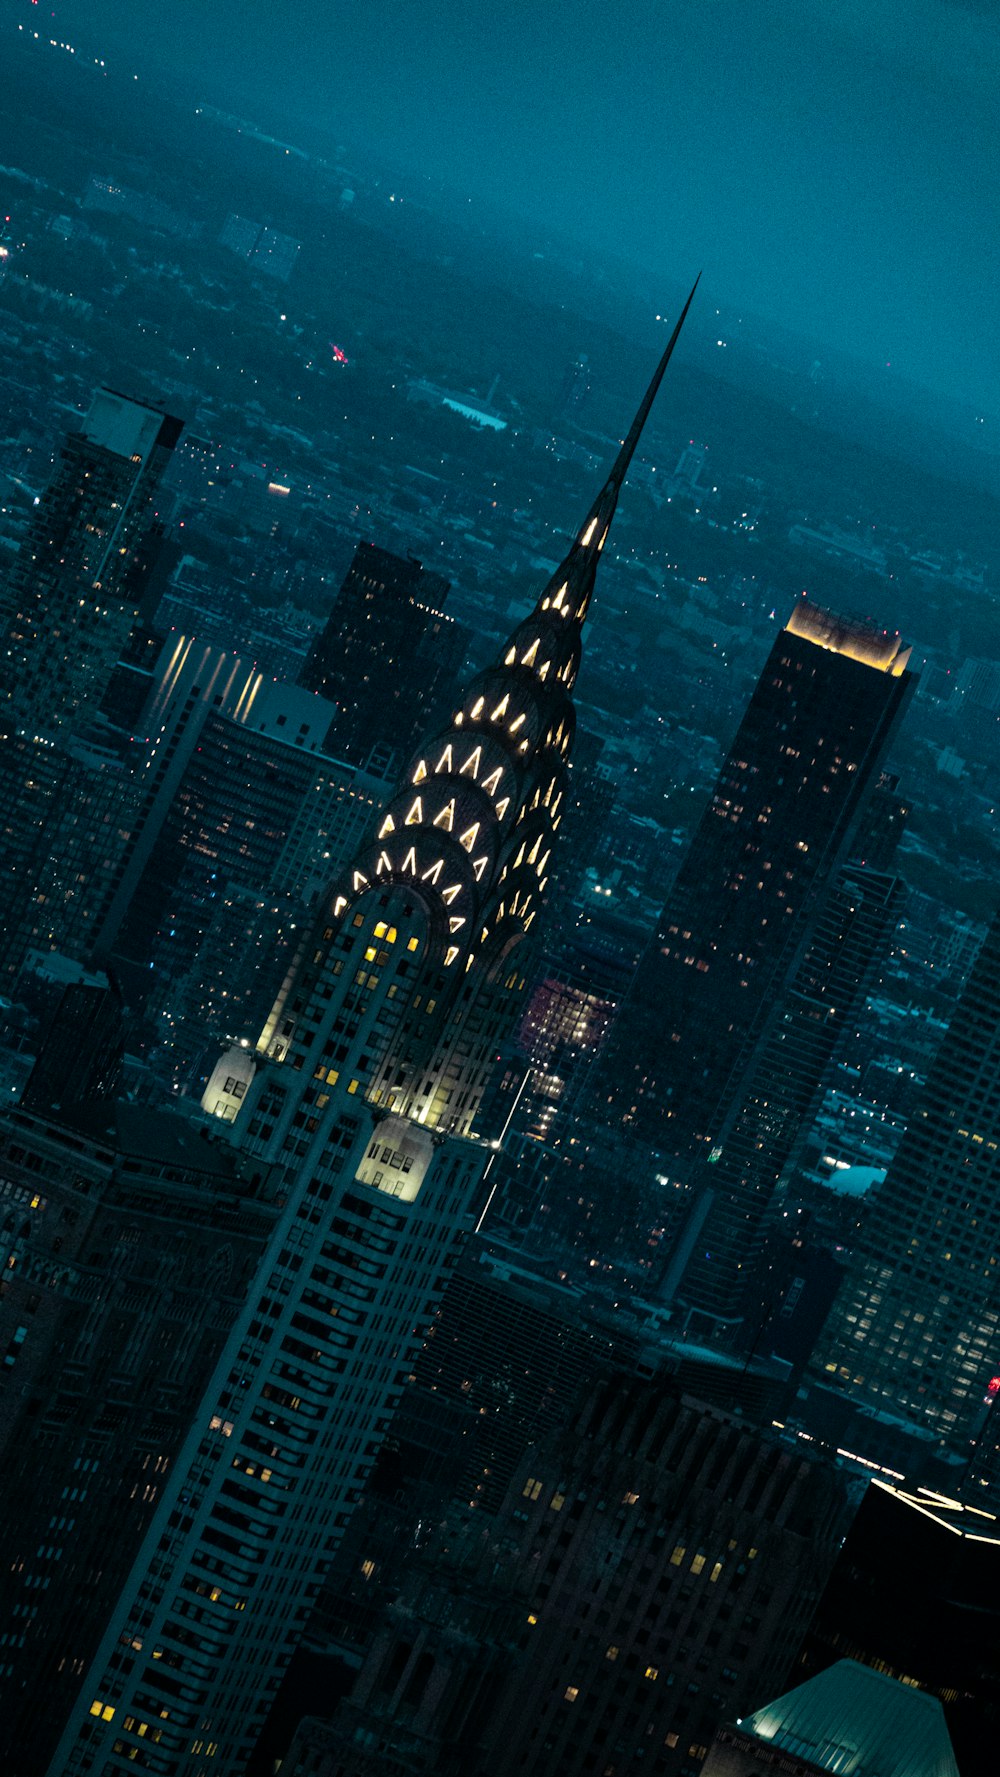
(833, 164)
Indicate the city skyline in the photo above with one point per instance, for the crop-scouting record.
(497, 1101)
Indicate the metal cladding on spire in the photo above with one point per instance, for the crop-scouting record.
(470, 829)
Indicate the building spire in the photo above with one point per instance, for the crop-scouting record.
(572, 585)
(469, 832)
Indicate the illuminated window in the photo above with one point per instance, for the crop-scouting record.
(652, 1671)
(678, 1555)
(557, 1501)
(697, 1564)
(413, 944)
(612, 1653)
(531, 1488)
(571, 1693)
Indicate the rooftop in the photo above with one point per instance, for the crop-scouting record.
(856, 1722)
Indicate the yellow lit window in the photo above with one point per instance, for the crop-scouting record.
(413, 943)
(532, 1617)
(531, 1488)
(717, 1569)
(571, 1693)
(354, 1085)
(612, 1653)
(557, 1501)
(697, 1564)
(678, 1555)
(652, 1672)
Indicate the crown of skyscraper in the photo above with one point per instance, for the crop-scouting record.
(468, 835)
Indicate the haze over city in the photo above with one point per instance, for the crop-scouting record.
(834, 167)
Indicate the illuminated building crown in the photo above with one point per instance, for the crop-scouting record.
(468, 835)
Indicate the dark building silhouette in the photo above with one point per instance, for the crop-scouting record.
(388, 656)
(665, 1559)
(77, 583)
(717, 1267)
(82, 1056)
(127, 1242)
(783, 816)
(915, 1332)
(68, 794)
(915, 1594)
(234, 859)
(68, 811)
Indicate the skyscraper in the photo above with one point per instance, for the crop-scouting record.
(388, 656)
(67, 797)
(915, 1331)
(373, 1063)
(664, 1558)
(77, 581)
(779, 1092)
(126, 1245)
(781, 819)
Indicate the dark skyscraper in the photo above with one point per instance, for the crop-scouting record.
(126, 1243)
(388, 656)
(77, 581)
(663, 1558)
(915, 1331)
(68, 793)
(782, 817)
(372, 1066)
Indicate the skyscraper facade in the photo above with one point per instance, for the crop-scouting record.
(76, 584)
(782, 817)
(915, 1331)
(126, 1245)
(373, 1062)
(388, 656)
(721, 1272)
(663, 1558)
